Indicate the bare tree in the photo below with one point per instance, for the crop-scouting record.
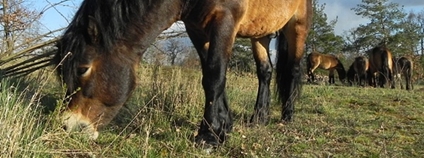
(15, 19)
(173, 49)
(21, 37)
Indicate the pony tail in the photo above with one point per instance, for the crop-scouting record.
(282, 55)
(286, 81)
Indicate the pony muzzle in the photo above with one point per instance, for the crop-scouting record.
(76, 122)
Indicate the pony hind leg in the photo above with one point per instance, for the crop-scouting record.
(331, 79)
(392, 79)
(408, 79)
(264, 72)
(363, 79)
(310, 70)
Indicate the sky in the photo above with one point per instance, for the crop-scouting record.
(54, 19)
(347, 19)
(58, 17)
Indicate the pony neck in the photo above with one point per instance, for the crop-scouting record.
(158, 16)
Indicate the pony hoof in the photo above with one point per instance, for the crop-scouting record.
(286, 120)
(207, 147)
(255, 120)
(206, 142)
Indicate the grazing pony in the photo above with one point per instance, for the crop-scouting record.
(358, 71)
(381, 66)
(324, 61)
(101, 48)
(404, 66)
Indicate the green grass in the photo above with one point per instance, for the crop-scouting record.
(162, 117)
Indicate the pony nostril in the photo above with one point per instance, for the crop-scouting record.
(64, 127)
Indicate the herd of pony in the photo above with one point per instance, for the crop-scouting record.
(379, 69)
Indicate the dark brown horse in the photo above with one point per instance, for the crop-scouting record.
(327, 62)
(404, 66)
(101, 48)
(381, 66)
(358, 71)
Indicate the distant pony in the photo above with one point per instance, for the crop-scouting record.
(404, 66)
(327, 62)
(381, 66)
(358, 71)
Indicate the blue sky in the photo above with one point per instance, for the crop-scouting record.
(60, 16)
(347, 18)
(342, 8)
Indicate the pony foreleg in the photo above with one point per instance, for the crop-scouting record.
(311, 76)
(217, 119)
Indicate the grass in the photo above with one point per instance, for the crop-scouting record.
(162, 117)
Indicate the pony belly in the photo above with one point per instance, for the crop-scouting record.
(267, 19)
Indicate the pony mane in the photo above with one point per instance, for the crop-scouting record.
(112, 17)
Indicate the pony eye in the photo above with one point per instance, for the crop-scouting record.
(82, 70)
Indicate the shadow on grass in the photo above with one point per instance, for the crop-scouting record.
(30, 88)
(133, 119)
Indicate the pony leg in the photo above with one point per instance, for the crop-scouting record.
(364, 79)
(331, 77)
(370, 78)
(400, 80)
(264, 72)
(214, 55)
(310, 70)
(290, 54)
(392, 79)
(408, 75)
(310, 76)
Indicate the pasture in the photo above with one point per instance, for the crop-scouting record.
(161, 117)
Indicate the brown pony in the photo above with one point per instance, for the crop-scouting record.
(381, 66)
(404, 66)
(358, 71)
(102, 46)
(327, 62)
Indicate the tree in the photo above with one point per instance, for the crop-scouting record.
(173, 48)
(17, 22)
(420, 22)
(192, 59)
(406, 40)
(242, 59)
(385, 21)
(22, 39)
(353, 46)
(321, 36)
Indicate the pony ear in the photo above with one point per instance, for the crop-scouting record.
(92, 29)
